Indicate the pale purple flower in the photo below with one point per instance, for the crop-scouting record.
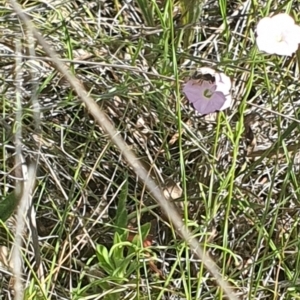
(209, 96)
(278, 35)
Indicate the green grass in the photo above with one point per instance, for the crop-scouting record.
(93, 214)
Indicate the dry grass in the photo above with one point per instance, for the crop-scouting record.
(238, 172)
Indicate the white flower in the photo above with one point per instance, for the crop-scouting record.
(278, 35)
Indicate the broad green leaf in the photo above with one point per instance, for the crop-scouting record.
(8, 206)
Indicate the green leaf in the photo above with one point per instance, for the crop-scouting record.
(121, 270)
(121, 214)
(116, 253)
(8, 206)
(103, 259)
(145, 229)
(147, 12)
(137, 240)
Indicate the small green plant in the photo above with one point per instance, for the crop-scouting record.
(125, 258)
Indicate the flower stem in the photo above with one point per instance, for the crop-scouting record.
(298, 58)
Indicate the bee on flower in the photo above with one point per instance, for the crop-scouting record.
(208, 91)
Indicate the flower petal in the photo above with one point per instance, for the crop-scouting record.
(294, 34)
(284, 20)
(207, 70)
(205, 106)
(286, 48)
(227, 102)
(193, 90)
(223, 83)
(263, 26)
(267, 45)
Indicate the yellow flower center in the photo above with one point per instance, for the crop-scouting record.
(279, 38)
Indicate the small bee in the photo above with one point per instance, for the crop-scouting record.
(203, 77)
